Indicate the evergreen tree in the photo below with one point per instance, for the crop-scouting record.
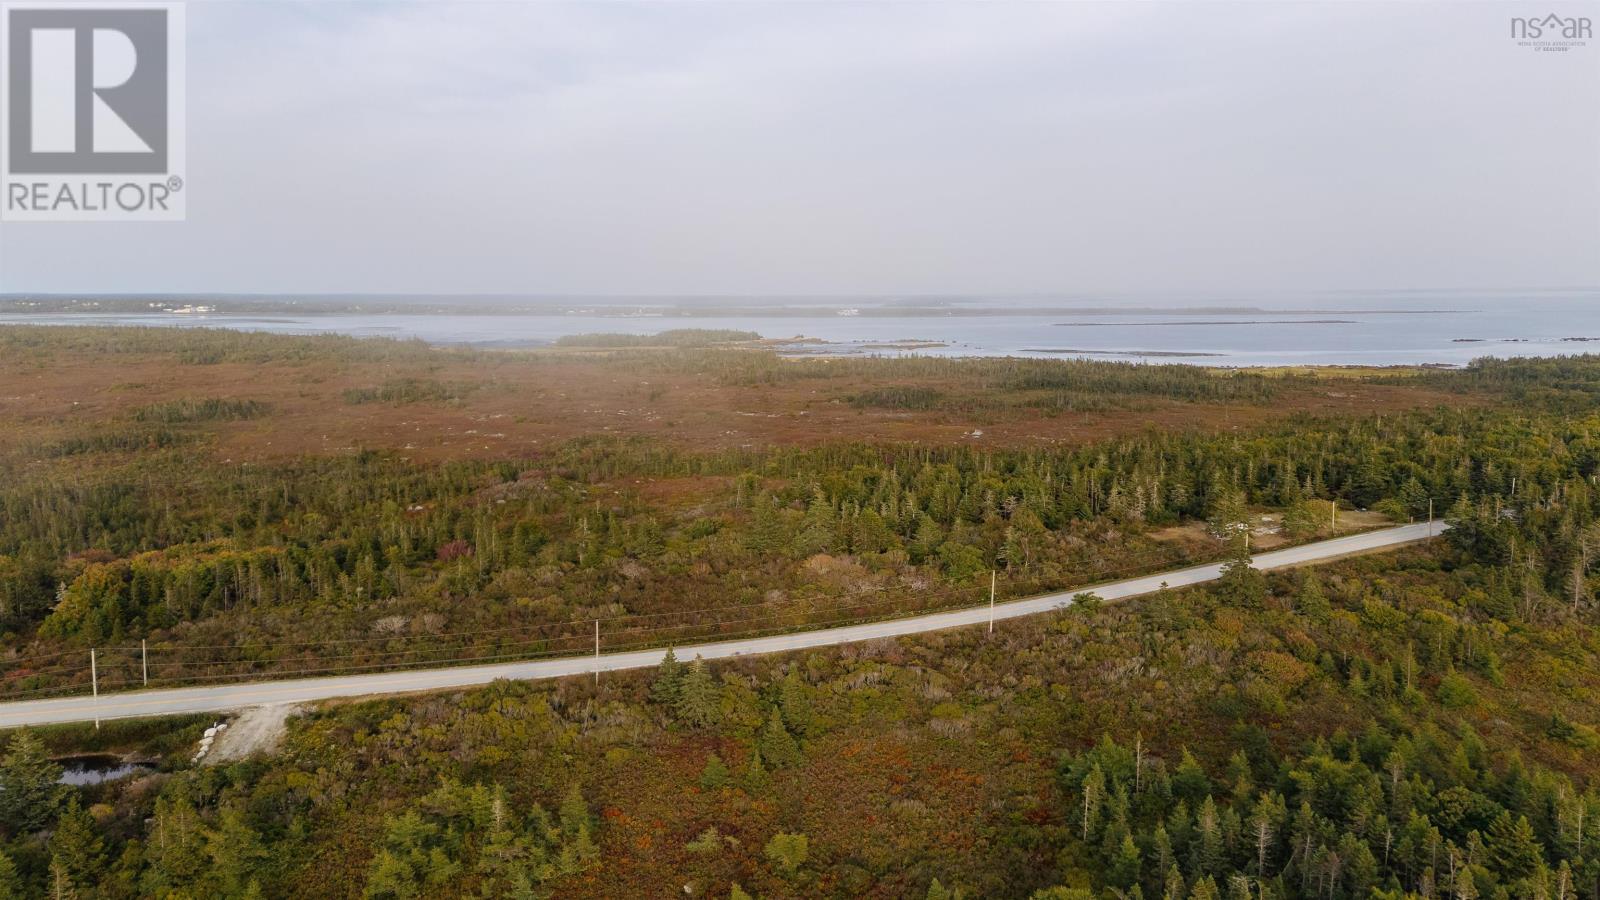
(788, 851)
(1309, 600)
(76, 846)
(1189, 781)
(1227, 517)
(1206, 853)
(755, 772)
(699, 702)
(766, 535)
(1174, 887)
(668, 685)
(10, 881)
(1513, 847)
(1124, 869)
(235, 850)
(30, 790)
(715, 773)
(794, 701)
(1094, 795)
(1205, 889)
(777, 746)
(176, 845)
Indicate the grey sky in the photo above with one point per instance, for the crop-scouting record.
(678, 147)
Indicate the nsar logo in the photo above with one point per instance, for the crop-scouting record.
(1552, 32)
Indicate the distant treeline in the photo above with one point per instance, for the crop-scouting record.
(207, 346)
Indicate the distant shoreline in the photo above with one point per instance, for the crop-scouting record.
(1073, 352)
(16, 304)
(1209, 322)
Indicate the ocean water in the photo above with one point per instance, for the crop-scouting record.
(1443, 328)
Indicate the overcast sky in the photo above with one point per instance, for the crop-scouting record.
(764, 147)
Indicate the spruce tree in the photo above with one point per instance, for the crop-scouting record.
(699, 697)
(715, 773)
(1124, 869)
(1513, 846)
(755, 772)
(668, 685)
(10, 881)
(76, 846)
(794, 700)
(777, 745)
(235, 850)
(30, 790)
(176, 846)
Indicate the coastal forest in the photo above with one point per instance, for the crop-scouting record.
(197, 507)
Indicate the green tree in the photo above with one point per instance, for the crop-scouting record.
(1094, 795)
(755, 772)
(1301, 521)
(778, 747)
(1242, 585)
(1226, 515)
(30, 790)
(1455, 691)
(709, 842)
(1124, 869)
(794, 701)
(235, 850)
(391, 876)
(699, 697)
(1309, 600)
(76, 846)
(176, 844)
(715, 773)
(788, 851)
(10, 881)
(668, 685)
(1207, 851)
(766, 534)
(1189, 781)
(1513, 846)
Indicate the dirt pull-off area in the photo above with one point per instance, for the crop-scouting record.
(257, 730)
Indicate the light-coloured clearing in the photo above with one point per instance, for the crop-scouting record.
(258, 729)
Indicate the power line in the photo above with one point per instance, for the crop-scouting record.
(650, 636)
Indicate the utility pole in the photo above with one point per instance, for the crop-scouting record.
(991, 601)
(1430, 517)
(94, 685)
(144, 661)
(1333, 514)
(597, 652)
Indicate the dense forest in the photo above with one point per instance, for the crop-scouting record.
(1416, 724)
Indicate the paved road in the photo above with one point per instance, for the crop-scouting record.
(239, 696)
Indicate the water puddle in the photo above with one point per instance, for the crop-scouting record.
(95, 768)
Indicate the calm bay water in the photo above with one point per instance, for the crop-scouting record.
(1410, 329)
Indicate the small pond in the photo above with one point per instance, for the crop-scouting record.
(94, 768)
